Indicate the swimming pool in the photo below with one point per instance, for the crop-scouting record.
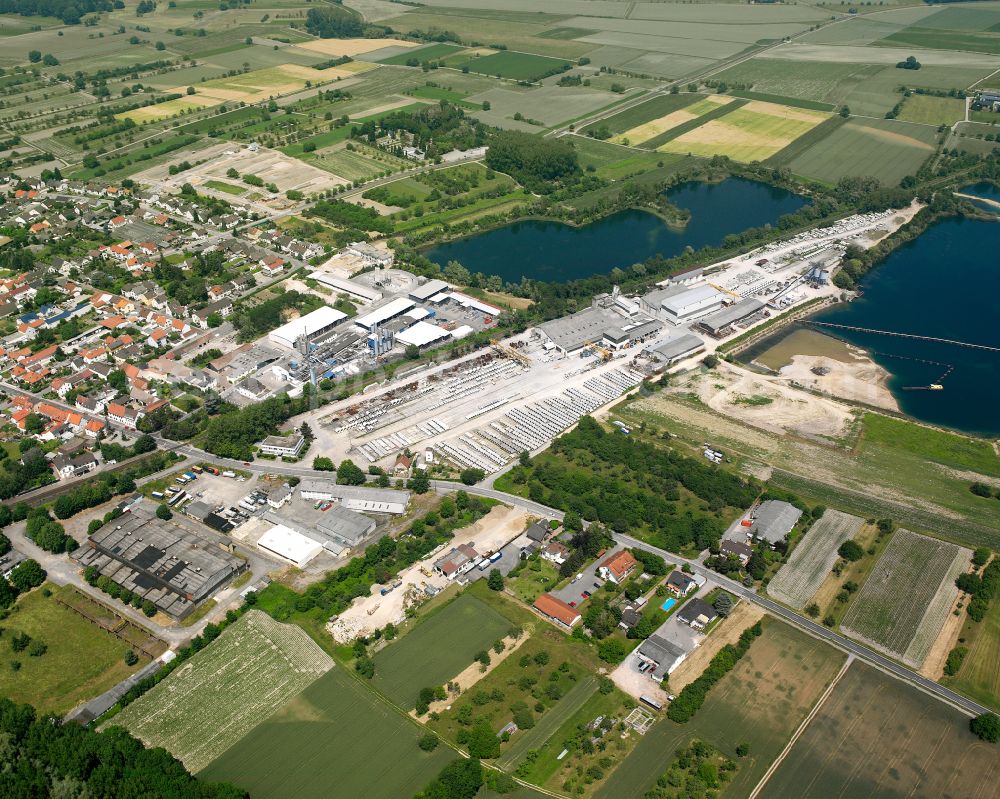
(668, 604)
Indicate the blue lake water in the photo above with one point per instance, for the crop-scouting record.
(556, 252)
(945, 284)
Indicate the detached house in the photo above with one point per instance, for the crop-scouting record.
(618, 567)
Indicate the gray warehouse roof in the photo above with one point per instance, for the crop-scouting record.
(570, 333)
(734, 313)
(424, 292)
(676, 347)
(345, 525)
(774, 519)
(166, 562)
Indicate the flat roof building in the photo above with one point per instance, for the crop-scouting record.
(693, 303)
(380, 316)
(422, 334)
(312, 326)
(289, 545)
(283, 446)
(674, 349)
(718, 322)
(425, 291)
(359, 498)
(663, 656)
(170, 563)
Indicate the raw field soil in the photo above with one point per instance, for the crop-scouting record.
(82, 660)
(695, 106)
(334, 739)
(876, 736)
(930, 110)
(761, 701)
(440, 646)
(754, 132)
(979, 677)
(898, 609)
(351, 47)
(226, 689)
(813, 557)
(429, 53)
(885, 149)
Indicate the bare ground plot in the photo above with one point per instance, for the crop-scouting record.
(902, 605)
(351, 47)
(879, 737)
(496, 528)
(813, 557)
(884, 149)
(227, 689)
(269, 165)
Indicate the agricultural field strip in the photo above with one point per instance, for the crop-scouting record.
(257, 663)
(640, 134)
(810, 562)
(549, 723)
(937, 611)
(888, 610)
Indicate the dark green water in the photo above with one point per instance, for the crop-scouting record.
(553, 251)
(944, 284)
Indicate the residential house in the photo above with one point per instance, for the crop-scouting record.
(457, 562)
(680, 584)
(697, 614)
(128, 417)
(618, 567)
(737, 549)
(555, 552)
(557, 610)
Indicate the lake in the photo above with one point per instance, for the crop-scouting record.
(556, 252)
(944, 284)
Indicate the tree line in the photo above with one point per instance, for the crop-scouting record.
(632, 485)
(69, 11)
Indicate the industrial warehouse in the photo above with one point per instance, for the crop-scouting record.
(170, 563)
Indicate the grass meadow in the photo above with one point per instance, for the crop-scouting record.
(979, 677)
(81, 661)
(333, 739)
(440, 646)
(930, 110)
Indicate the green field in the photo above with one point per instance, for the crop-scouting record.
(930, 110)
(228, 188)
(823, 82)
(651, 109)
(979, 677)
(208, 703)
(884, 149)
(761, 702)
(940, 446)
(516, 66)
(901, 606)
(878, 736)
(81, 662)
(440, 646)
(333, 739)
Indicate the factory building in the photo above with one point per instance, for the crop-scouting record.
(383, 314)
(674, 349)
(312, 325)
(720, 322)
(612, 321)
(692, 303)
(422, 334)
(425, 291)
(289, 545)
(344, 286)
(170, 563)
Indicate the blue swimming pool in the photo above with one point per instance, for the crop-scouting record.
(668, 604)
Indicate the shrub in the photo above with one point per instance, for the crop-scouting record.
(851, 550)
